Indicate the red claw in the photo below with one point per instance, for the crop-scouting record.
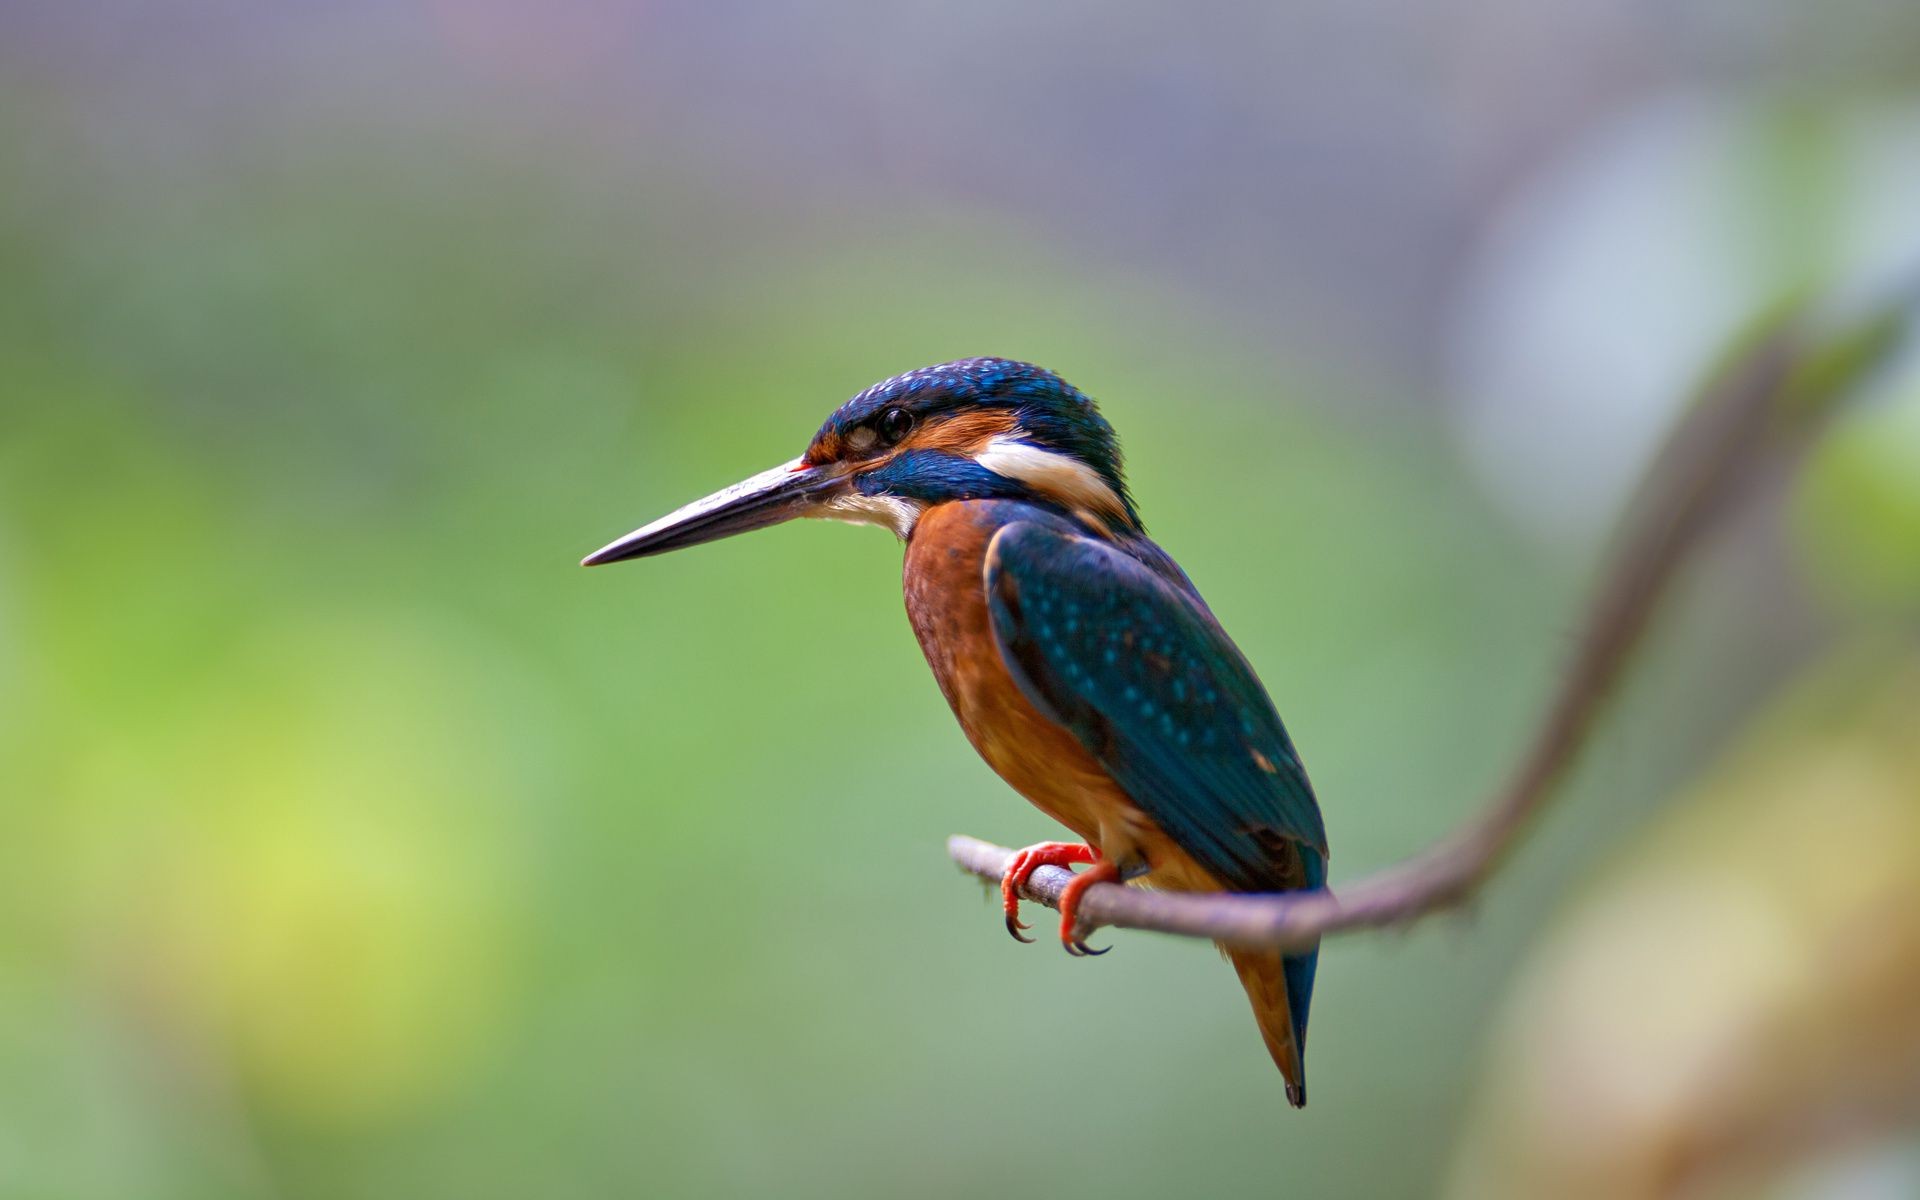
(1031, 859)
(1102, 871)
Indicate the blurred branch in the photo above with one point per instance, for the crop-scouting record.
(1763, 403)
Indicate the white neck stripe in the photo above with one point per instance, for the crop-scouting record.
(1066, 479)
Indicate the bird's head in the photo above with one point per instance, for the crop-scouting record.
(979, 428)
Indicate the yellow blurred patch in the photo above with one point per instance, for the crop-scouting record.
(304, 882)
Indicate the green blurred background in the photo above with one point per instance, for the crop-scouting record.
(356, 843)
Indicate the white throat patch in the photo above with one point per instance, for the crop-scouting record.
(891, 512)
(1068, 480)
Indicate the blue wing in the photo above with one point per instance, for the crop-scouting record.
(1138, 670)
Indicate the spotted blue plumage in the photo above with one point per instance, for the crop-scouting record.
(1112, 641)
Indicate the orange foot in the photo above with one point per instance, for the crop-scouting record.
(1101, 871)
(1056, 854)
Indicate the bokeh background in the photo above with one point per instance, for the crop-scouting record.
(356, 844)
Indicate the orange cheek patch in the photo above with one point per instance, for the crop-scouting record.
(964, 433)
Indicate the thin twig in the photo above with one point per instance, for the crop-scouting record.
(1765, 400)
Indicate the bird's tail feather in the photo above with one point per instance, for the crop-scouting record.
(1281, 990)
(1264, 973)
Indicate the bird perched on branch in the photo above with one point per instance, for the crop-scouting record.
(1080, 660)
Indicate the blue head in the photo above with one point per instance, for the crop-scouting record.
(978, 428)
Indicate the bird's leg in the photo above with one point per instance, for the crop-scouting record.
(1025, 863)
(1103, 870)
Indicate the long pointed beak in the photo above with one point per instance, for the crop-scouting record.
(787, 491)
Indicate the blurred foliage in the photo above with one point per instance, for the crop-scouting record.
(1734, 998)
(1858, 511)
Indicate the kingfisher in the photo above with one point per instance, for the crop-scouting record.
(1078, 657)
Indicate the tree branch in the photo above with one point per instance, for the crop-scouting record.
(1764, 401)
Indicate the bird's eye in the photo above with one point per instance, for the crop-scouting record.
(894, 424)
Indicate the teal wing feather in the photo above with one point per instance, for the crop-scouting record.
(1135, 666)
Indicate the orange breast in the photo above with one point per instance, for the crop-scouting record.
(946, 601)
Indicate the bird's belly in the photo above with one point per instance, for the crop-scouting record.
(946, 601)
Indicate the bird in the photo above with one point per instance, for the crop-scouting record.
(1078, 657)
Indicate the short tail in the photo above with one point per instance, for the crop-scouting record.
(1281, 990)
